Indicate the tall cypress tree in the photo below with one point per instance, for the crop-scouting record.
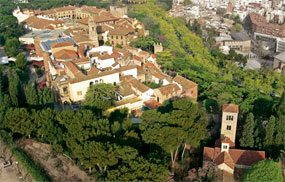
(32, 95)
(269, 132)
(247, 139)
(13, 89)
(281, 106)
(1, 92)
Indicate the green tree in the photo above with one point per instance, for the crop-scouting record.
(19, 120)
(99, 97)
(11, 47)
(7, 101)
(247, 139)
(47, 127)
(269, 132)
(46, 98)
(32, 95)
(265, 170)
(118, 46)
(1, 93)
(280, 131)
(21, 61)
(14, 88)
(281, 105)
(139, 169)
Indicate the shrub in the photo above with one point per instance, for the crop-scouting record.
(34, 171)
(265, 170)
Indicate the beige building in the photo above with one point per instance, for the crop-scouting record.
(239, 41)
(279, 62)
(118, 11)
(73, 12)
(229, 121)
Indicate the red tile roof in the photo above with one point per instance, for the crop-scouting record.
(224, 157)
(168, 89)
(61, 44)
(73, 68)
(230, 108)
(185, 83)
(224, 140)
(65, 54)
(241, 157)
(153, 104)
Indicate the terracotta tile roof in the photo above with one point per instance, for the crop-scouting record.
(230, 108)
(98, 19)
(124, 89)
(64, 8)
(105, 57)
(65, 54)
(152, 104)
(61, 44)
(115, 64)
(241, 157)
(92, 9)
(80, 38)
(81, 50)
(124, 68)
(137, 58)
(157, 75)
(224, 157)
(40, 23)
(185, 83)
(168, 89)
(115, 55)
(73, 68)
(121, 30)
(150, 66)
(135, 83)
(81, 60)
(219, 142)
(92, 76)
(93, 70)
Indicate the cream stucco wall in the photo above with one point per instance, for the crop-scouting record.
(133, 72)
(226, 168)
(231, 134)
(82, 87)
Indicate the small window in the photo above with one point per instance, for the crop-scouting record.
(225, 147)
(96, 82)
(65, 90)
(79, 93)
(121, 37)
(117, 37)
(230, 118)
(91, 83)
(114, 83)
(229, 127)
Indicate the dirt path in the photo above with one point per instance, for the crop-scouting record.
(13, 173)
(58, 167)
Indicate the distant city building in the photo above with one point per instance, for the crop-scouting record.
(279, 62)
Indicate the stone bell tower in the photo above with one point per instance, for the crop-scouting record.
(93, 31)
(229, 121)
(158, 47)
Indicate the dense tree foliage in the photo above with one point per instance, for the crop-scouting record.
(265, 170)
(21, 61)
(183, 126)
(247, 139)
(99, 96)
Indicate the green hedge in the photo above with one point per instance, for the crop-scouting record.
(35, 172)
